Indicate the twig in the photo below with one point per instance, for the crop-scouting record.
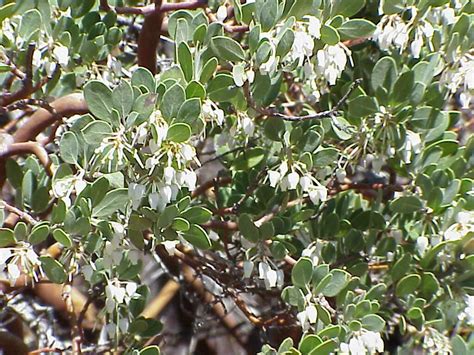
(209, 184)
(25, 102)
(159, 303)
(152, 9)
(23, 215)
(318, 115)
(27, 88)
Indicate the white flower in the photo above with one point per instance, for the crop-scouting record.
(266, 273)
(13, 273)
(221, 14)
(412, 145)
(311, 313)
(190, 179)
(302, 47)
(219, 115)
(372, 341)
(135, 193)
(5, 141)
(448, 16)
(303, 319)
(5, 253)
(341, 175)
(464, 225)
(331, 62)
(469, 310)
(421, 244)
(247, 125)
(293, 179)
(170, 246)
(318, 193)
(274, 177)
(415, 47)
(169, 174)
(37, 58)
(158, 200)
(305, 183)
(248, 268)
(188, 152)
(61, 54)
(314, 27)
(238, 72)
(131, 288)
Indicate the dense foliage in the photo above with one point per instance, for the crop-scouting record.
(301, 167)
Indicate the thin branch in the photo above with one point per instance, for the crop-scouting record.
(201, 189)
(318, 115)
(23, 215)
(27, 87)
(152, 9)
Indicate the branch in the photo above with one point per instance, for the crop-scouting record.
(27, 88)
(66, 106)
(201, 189)
(153, 9)
(149, 38)
(319, 115)
(23, 215)
(28, 148)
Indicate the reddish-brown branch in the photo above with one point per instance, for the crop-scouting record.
(201, 189)
(29, 148)
(65, 106)
(152, 9)
(149, 38)
(27, 88)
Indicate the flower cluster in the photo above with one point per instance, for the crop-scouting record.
(288, 178)
(363, 342)
(18, 260)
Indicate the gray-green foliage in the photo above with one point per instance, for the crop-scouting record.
(362, 220)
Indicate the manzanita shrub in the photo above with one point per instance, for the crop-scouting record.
(303, 168)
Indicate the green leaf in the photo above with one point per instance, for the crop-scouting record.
(325, 348)
(7, 238)
(302, 272)
(167, 216)
(150, 350)
(407, 285)
(96, 131)
(172, 101)
(227, 49)
(122, 98)
(179, 132)
(309, 343)
(403, 86)
(62, 238)
(406, 204)
(14, 173)
(143, 77)
(339, 281)
(356, 28)
(373, 322)
(114, 200)
(363, 106)
(198, 237)
(69, 148)
(185, 60)
(208, 70)
(222, 88)
(99, 99)
(53, 269)
(347, 8)
(180, 224)
(197, 215)
(268, 13)
(30, 23)
(248, 159)
(248, 229)
(80, 8)
(7, 10)
(329, 35)
(39, 234)
(195, 90)
(189, 113)
(384, 74)
(285, 43)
